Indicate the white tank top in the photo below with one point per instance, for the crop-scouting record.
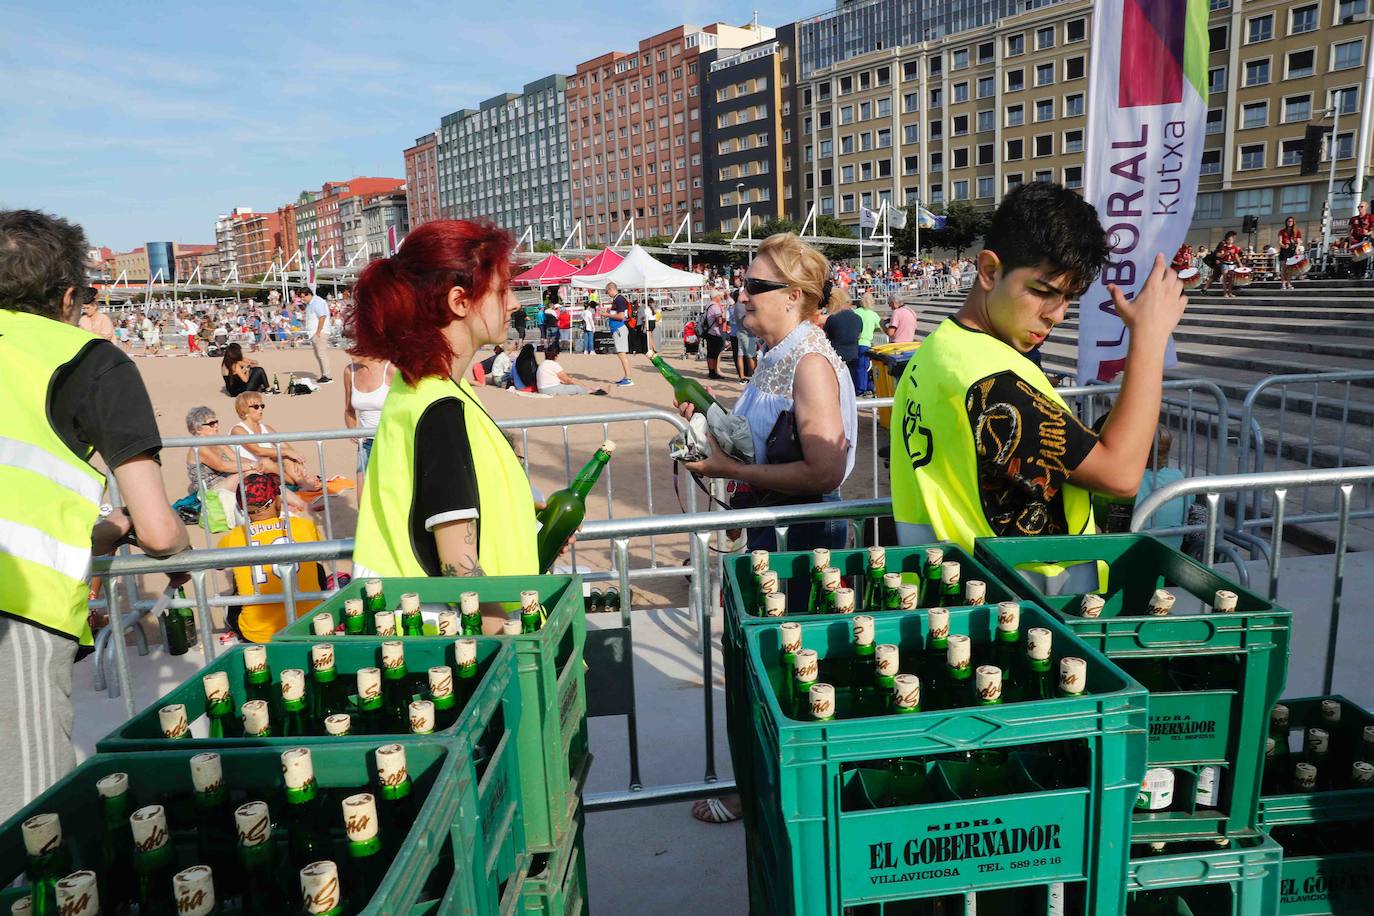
(368, 404)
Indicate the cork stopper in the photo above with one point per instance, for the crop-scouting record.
(822, 701)
(372, 588)
(216, 685)
(393, 654)
(338, 725)
(353, 607)
(511, 628)
(758, 561)
(863, 630)
(768, 581)
(465, 651)
(1224, 601)
(172, 718)
(297, 768)
(194, 888)
(441, 681)
(935, 556)
(1304, 777)
(820, 558)
(421, 717)
(906, 691)
(1271, 747)
(369, 683)
(959, 651)
(1073, 675)
(807, 665)
(22, 907)
(877, 557)
(77, 894)
(320, 887)
(1038, 643)
(149, 826)
(448, 623)
(1318, 740)
(1278, 716)
(410, 603)
(385, 623)
(791, 636)
(321, 657)
(529, 601)
(887, 659)
(1161, 603)
(975, 592)
(360, 817)
(391, 764)
(844, 600)
(774, 605)
(254, 658)
(830, 579)
(1368, 732)
(113, 786)
(1091, 605)
(949, 572)
(608, 447)
(908, 597)
(255, 717)
(254, 823)
(293, 684)
(1331, 711)
(892, 580)
(988, 681)
(1008, 616)
(42, 834)
(1361, 773)
(207, 774)
(938, 620)
(322, 624)
(468, 602)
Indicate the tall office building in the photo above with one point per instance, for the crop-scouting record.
(422, 180)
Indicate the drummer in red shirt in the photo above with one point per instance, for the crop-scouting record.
(1228, 259)
(1183, 258)
(1290, 240)
(1361, 231)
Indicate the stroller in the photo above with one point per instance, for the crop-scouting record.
(691, 343)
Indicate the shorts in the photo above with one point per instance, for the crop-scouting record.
(714, 344)
(747, 345)
(621, 338)
(364, 454)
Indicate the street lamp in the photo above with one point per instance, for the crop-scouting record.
(739, 194)
(1338, 96)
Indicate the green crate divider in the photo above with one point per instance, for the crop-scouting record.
(1188, 728)
(549, 669)
(555, 883)
(822, 857)
(428, 861)
(1241, 879)
(498, 806)
(1313, 807)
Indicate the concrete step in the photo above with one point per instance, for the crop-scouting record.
(1286, 343)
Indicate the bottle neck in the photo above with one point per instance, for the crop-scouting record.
(115, 810)
(398, 791)
(467, 671)
(259, 678)
(325, 675)
(153, 859)
(293, 705)
(302, 796)
(586, 478)
(446, 702)
(220, 709)
(366, 849)
(1009, 636)
(863, 650)
(396, 673)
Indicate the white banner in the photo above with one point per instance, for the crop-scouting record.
(1147, 112)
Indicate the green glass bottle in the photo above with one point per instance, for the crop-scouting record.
(321, 894)
(276, 385)
(821, 700)
(930, 577)
(257, 719)
(611, 599)
(223, 721)
(339, 725)
(193, 889)
(531, 612)
(820, 559)
(864, 699)
(790, 637)
(1070, 758)
(465, 658)
(907, 783)
(950, 589)
(384, 624)
(873, 597)
(831, 583)
(957, 691)
(906, 694)
(154, 861)
(470, 607)
(564, 510)
(774, 603)
(49, 861)
(892, 584)
(257, 677)
(1277, 766)
(1156, 794)
(908, 597)
(366, 865)
(975, 592)
(1305, 778)
(421, 714)
(805, 672)
(886, 665)
(307, 821)
(396, 692)
(172, 719)
(1330, 719)
(355, 617)
(1040, 680)
(216, 834)
(116, 843)
(412, 622)
(842, 600)
(442, 697)
(449, 623)
(758, 568)
(395, 797)
(1361, 775)
(322, 624)
(261, 891)
(934, 656)
(327, 694)
(374, 602)
(78, 894)
(685, 390)
(1279, 724)
(1366, 752)
(987, 772)
(1006, 649)
(1153, 673)
(295, 720)
(1317, 751)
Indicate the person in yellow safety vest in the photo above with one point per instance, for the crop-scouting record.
(445, 493)
(981, 443)
(69, 396)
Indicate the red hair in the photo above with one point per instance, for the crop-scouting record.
(400, 304)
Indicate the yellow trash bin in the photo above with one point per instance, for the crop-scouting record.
(889, 362)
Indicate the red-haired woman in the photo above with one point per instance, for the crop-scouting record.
(445, 494)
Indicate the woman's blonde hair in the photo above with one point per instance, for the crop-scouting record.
(805, 268)
(244, 399)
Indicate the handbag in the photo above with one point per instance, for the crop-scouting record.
(782, 446)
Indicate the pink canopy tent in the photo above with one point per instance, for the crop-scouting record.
(552, 271)
(603, 263)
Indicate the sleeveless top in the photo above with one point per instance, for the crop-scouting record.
(368, 404)
(769, 392)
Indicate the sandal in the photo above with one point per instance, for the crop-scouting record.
(713, 811)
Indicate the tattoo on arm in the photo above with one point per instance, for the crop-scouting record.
(465, 567)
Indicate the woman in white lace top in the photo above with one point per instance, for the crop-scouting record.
(784, 287)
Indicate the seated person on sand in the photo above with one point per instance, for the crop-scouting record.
(552, 379)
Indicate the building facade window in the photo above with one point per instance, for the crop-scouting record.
(1251, 157)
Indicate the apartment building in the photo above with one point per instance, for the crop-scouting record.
(224, 240)
(635, 133)
(422, 180)
(973, 113)
(381, 213)
(319, 216)
(750, 151)
(507, 160)
(258, 242)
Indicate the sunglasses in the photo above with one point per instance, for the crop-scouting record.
(257, 406)
(209, 423)
(757, 287)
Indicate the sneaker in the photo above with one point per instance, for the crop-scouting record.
(625, 383)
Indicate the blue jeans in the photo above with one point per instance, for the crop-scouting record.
(863, 375)
(587, 338)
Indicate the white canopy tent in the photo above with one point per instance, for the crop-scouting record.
(639, 270)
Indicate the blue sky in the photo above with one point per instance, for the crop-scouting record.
(142, 121)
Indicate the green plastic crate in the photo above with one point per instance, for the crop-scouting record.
(1312, 807)
(824, 858)
(1189, 728)
(427, 864)
(1241, 879)
(553, 695)
(555, 883)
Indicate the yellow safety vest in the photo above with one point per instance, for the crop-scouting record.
(506, 543)
(49, 495)
(934, 460)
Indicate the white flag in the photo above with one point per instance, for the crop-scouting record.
(868, 219)
(896, 218)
